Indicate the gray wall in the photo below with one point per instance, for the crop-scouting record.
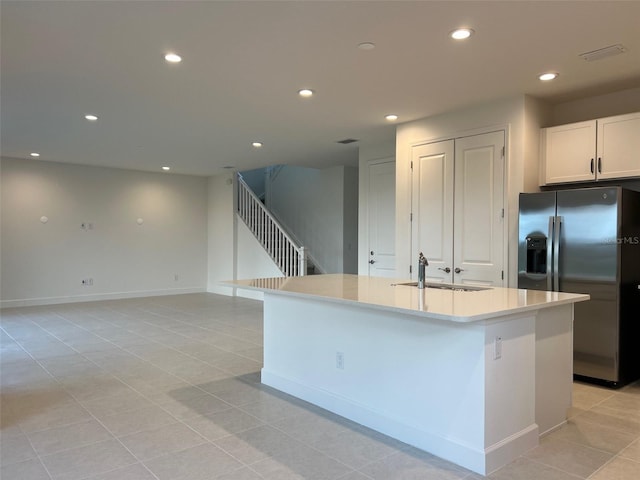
(319, 207)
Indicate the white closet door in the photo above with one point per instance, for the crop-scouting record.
(432, 207)
(479, 209)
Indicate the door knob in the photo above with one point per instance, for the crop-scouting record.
(458, 270)
(371, 252)
(372, 262)
(445, 270)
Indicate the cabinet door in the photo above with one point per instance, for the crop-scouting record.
(479, 210)
(570, 152)
(619, 146)
(432, 209)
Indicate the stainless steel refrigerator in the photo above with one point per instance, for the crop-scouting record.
(588, 241)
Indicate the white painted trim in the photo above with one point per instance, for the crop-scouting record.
(32, 302)
(236, 292)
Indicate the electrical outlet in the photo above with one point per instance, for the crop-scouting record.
(87, 282)
(340, 360)
(497, 348)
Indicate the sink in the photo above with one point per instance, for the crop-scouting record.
(444, 286)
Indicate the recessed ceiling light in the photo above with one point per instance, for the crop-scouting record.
(461, 33)
(34, 154)
(173, 57)
(545, 77)
(257, 144)
(166, 169)
(391, 117)
(91, 118)
(305, 92)
(366, 46)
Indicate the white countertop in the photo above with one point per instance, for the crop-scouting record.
(381, 293)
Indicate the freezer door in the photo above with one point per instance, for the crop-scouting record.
(535, 237)
(588, 263)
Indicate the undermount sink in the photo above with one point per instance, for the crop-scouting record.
(444, 286)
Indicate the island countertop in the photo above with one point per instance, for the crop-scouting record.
(388, 294)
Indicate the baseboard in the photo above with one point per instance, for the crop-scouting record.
(508, 449)
(475, 458)
(236, 292)
(33, 302)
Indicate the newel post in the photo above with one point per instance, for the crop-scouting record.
(302, 261)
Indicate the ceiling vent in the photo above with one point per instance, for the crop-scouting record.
(347, 141)
(605, 52)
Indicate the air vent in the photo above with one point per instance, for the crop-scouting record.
(605, 52)
(347, 141)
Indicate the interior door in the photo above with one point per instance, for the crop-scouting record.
(432, 207)
(382, 201)
(479, 210)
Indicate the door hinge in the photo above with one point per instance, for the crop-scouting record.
(411, 217)
(502, 214)
(410, 269)
(502, 275)
(411, 164)
(502, 152)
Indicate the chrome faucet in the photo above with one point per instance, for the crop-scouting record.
(422, 263)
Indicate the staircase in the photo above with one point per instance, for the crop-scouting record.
(290, 258)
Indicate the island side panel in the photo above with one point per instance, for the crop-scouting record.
(510, 354)
(554, 366)
(416, 379)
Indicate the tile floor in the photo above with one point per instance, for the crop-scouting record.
(168, 388)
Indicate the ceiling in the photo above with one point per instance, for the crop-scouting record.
(243, 63)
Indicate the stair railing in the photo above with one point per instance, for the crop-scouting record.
(289, 257)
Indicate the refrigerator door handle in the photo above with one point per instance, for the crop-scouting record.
(556, 254)
(550, 249)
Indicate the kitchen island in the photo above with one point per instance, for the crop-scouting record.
(474, 377)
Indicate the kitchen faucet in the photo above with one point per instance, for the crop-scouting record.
(422, 263)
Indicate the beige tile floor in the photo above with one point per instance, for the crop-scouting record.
(168, 388)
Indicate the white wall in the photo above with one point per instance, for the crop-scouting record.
(512, 115)
(536, 115)
(366, 154)
(615, 103)
(44, 263)
(350, 221)
(221, 233)
(310, 203)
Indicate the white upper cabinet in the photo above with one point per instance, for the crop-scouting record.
(570, 152)
(606, 148)
(619, 146)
